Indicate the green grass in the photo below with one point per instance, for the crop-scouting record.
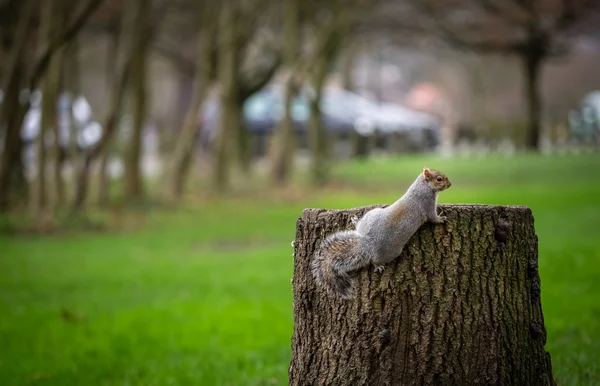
(202, 295)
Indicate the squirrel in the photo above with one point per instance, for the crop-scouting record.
(379, 235)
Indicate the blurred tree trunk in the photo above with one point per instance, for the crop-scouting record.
(328, 40)
(249, 85)
(285, 143)
(184, 148)
(55, 84)
(228, 79)
(72, 85)
(318, 135)
(532, 62)
(133, 175)
(110, 125)
(115, 100)
(460, 306)
(14, 79)
(348, 59)
(54, 72)
(360, 143)
(48, 113)
(111, 74)
(242, 149)
(72, 75)
(13, 185)
(11, 110)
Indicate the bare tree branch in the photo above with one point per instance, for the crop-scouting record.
(67, 35)
(259, 80)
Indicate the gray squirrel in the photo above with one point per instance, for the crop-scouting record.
(380, 235)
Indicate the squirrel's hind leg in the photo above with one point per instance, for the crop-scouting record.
(379, 268)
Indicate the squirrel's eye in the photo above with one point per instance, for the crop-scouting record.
(439, 179)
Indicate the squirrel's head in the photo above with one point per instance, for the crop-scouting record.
(436, 180)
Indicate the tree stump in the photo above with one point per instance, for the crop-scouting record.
(460, 306)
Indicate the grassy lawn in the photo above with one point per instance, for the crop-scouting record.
(202, 295)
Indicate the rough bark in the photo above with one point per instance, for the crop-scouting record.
(460, 306)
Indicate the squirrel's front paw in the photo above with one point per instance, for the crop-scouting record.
(439, 220)
(379, 268)
(354, 220)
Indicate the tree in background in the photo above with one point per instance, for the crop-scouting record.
(204, 74)
(285, 137)
(138, 90)
(325, 25)
(12, 111)
(48, 27)
(333, 25)
(118, 80)
(238, 30)
(138, 28)
(534, 30)
(17, 75)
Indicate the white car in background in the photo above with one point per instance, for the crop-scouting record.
(584, 121)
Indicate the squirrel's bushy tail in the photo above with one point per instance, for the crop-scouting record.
(337, 255)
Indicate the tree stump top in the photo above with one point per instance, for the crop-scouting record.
(460, 305)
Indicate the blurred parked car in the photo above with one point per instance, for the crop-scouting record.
(343, 113)
(264, 110)
(584, 121)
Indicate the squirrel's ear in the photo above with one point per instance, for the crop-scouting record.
(426, 172)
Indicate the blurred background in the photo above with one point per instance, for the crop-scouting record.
(155, 155)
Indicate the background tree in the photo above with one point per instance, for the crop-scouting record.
(118, 79)
(18, 75)
(138, 91)
(334, 24)
(535, 31)
(238, 32)
(285, 138)
(12, 111)
(48, 26)
(204, 74)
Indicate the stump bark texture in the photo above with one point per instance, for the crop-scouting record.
(460, 306)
